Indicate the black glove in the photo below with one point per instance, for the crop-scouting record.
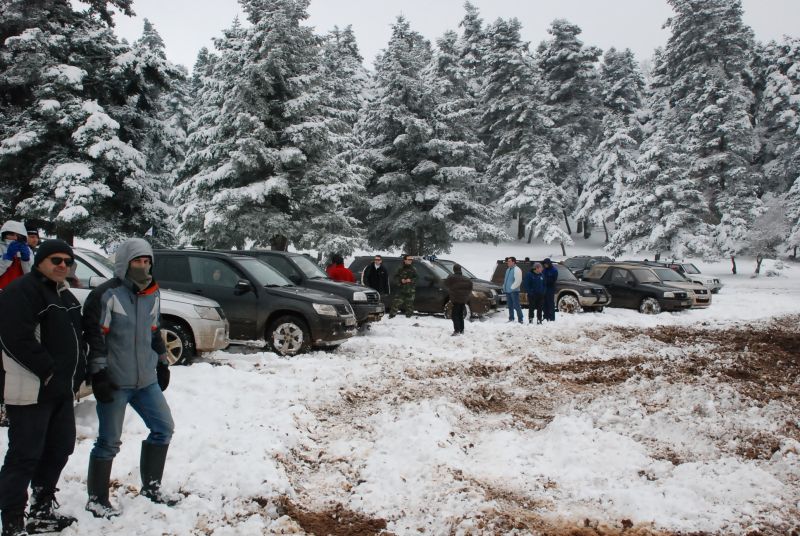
(24, 252)
(102, 387)
(162, 373)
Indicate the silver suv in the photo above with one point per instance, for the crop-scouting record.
(190, 324)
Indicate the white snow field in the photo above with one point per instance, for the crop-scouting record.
(683, 423)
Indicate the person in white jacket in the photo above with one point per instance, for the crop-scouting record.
(511, 286)
(16, 258)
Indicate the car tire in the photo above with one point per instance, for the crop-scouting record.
(649, 306)
(568, 303)
(448, 309)
(288, 335)
(179, 341)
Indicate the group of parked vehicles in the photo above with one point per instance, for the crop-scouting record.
(210, 298)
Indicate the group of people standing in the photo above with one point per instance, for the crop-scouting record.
(540, 286)
(50, 345)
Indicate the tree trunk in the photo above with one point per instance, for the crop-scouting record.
(566, 220)
(66, 234)
(587, 229)
(530, 235)
(579, 226)
(279, 243)
(794, 255)
(759, 260)
(658, 256)
(733, 263)
(563, 250)
(520, 227)
(606, 230)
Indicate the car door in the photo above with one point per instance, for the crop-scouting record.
(617, 281)
(429, 296)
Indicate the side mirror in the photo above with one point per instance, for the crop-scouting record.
(631, 282)
(243, 286)
(96, 281)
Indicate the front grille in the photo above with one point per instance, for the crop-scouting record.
(716, 281)
(681, 295)
(700, 291)
(373, 297)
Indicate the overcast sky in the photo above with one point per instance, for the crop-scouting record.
(188, 25)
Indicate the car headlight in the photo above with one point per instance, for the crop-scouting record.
(324, 309)
(588, 292)
(477, 294)
(359, 296)
(208, 313)
(669, 294)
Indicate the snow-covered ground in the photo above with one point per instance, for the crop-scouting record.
(676, 423)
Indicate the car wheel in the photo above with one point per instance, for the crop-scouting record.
(448, 310)
(288, 335)
(568, 303)
(179, 342)
(649, 306)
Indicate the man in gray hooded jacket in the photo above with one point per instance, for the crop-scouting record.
(128, 365)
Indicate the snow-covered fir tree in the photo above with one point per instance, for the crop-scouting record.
(73, 167)
(471, 47)
(570, 83)
(514, 127)
(705, 62)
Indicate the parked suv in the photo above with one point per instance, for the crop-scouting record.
(303, 272)
(634, 286)
(690, 272)
(571, 295)
(581, 263)
(481, 288)
(701, 296)
(431, 295)
(259, 302)
(190, 324)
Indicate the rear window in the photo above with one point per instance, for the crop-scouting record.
(564, 274)
(171, 268)
(645, 276)
(668, 274)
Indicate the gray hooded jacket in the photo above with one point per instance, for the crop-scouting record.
(122, 324)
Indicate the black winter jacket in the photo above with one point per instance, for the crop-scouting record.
(377, 278)
(459, 287)
(40, 333)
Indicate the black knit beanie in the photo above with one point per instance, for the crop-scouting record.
(48, 247)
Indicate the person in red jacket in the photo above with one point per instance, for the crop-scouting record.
(337, 271)
(15, 255)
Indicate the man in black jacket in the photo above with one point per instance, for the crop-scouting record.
(43, 365)
(460, 288)
(375, 276)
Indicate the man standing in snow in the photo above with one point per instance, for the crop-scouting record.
(128, 365)
(15, 255)
(405, 284)
(550, 274)
(459, 287)
(43, 366)
(533, 284)
(375, 276)
(511, 286)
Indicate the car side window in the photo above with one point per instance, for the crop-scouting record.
(620, 276)
(171, 268)
(83, 272)
(283, 265)
(214, 272)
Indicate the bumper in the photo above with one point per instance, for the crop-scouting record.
(701, 302)
(595, 300)
(669, 304)
(480, 306)
(368, 311)
(333, 331)
(210, 335)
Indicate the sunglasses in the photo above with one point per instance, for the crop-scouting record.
(68, 261)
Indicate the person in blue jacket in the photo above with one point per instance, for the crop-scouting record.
(533, 285)
(550, 274)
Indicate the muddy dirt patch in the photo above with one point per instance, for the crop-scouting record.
(335, 521)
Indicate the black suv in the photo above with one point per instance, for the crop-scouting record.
(580, 264)
(259, 302)
(635, 286)
(431, 295)
(304, 272)
(571, 295)
(482, 287)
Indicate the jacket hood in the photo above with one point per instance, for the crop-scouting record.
(12, 226)
(129, 250)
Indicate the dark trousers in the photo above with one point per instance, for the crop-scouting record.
(550, 304)
(458, 317)
(535, 303)
(40, 439)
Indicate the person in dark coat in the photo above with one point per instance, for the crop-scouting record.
(550, 274)
(44, 364)
(460, 288)
(338, 272)
(533, 285)
(376, 276)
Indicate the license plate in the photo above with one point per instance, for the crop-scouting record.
(379, 309)
(687, 302)
(349, 321)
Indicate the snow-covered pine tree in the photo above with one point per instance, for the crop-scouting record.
(778, 113)
(570, 83)
(706, 61)
(621, 83)
(471, 47)
(793, 217)
(74, 169)
(515, 130)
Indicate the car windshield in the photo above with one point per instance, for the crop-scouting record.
(690, 269)
(576, 264)
(308, 267)
(448, 266)
(668, 274)
(265, 275)
(440, 272)
(645, 276)
(97, 258)
(564, 274)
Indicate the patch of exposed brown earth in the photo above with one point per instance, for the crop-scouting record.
(335, 521)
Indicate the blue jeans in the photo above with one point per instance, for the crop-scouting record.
(148, 402)
(513, 305)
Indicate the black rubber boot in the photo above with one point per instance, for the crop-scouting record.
(97, 483)
(151, 467)
(13, 523)
(42, 515)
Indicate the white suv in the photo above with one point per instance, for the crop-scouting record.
(190, 323)
(690, 272)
